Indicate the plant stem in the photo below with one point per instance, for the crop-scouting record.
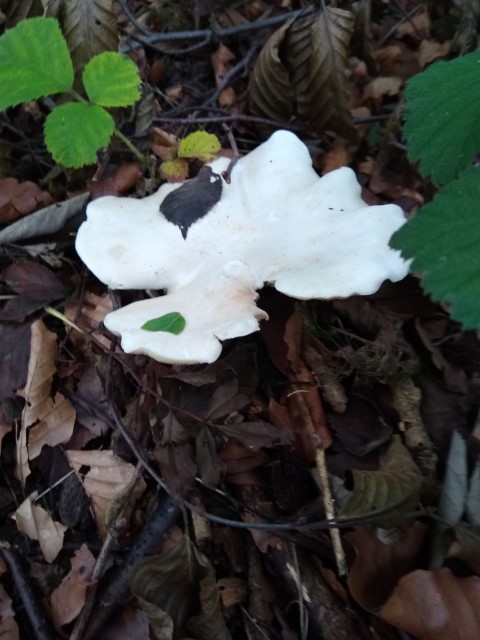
(143, 159)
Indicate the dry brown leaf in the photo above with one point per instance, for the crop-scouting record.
(340, 155)
(435, 605)
(122, 179)
(301, 71)
(50, 420)
(378, 566)
(393, 489)
(8, 627)
(165, 144)
(430, 51)
(35, 522)
(221, 66)
(19, 198)
(90, 28)
(379, 87)
(68, 599)
(106, 481)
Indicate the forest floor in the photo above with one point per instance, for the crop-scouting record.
(320, 480)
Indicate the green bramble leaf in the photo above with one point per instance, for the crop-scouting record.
(74, 132)
(199, 144)
(442, 117)
(172, 322)
(112, 80)
(34, 62)
(444, 239)
(174, 170)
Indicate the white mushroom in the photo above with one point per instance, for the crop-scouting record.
(211, 244)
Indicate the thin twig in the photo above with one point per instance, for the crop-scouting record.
(209, 34)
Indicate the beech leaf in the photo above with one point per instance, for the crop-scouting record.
(90, 27)
(394, 488)
(301, 71)
(35, 522)
(48, 418)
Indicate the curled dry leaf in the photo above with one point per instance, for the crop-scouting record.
(108, 479)
(35, 522)
(301, 71)
(68, 599)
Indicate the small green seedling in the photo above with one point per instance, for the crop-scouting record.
(199, 145)
(35, 62)
(442, 129)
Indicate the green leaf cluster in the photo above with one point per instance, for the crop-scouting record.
(442, 130)
(35, 62)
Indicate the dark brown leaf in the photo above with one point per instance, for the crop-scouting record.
(14, 356)
(256, 435)
(36, 287)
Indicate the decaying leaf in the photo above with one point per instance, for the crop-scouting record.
(8, 626)
(301, 72)
(19, 198)
(49, 418)
(14, 354)
(108, 479)
(35, 286)
(178, 591)
(68, 599)
(394, 488)
(35, 522)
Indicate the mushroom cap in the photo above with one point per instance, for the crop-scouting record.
(212, 245)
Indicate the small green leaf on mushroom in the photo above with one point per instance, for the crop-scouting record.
(172, 322)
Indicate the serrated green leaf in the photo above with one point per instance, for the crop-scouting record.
(172, 322)
(199, 144)
(34, 62)
(74, 132)
(112, 80)
(444, 240)
(442, 117)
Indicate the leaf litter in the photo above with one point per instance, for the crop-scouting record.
(384, 389)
